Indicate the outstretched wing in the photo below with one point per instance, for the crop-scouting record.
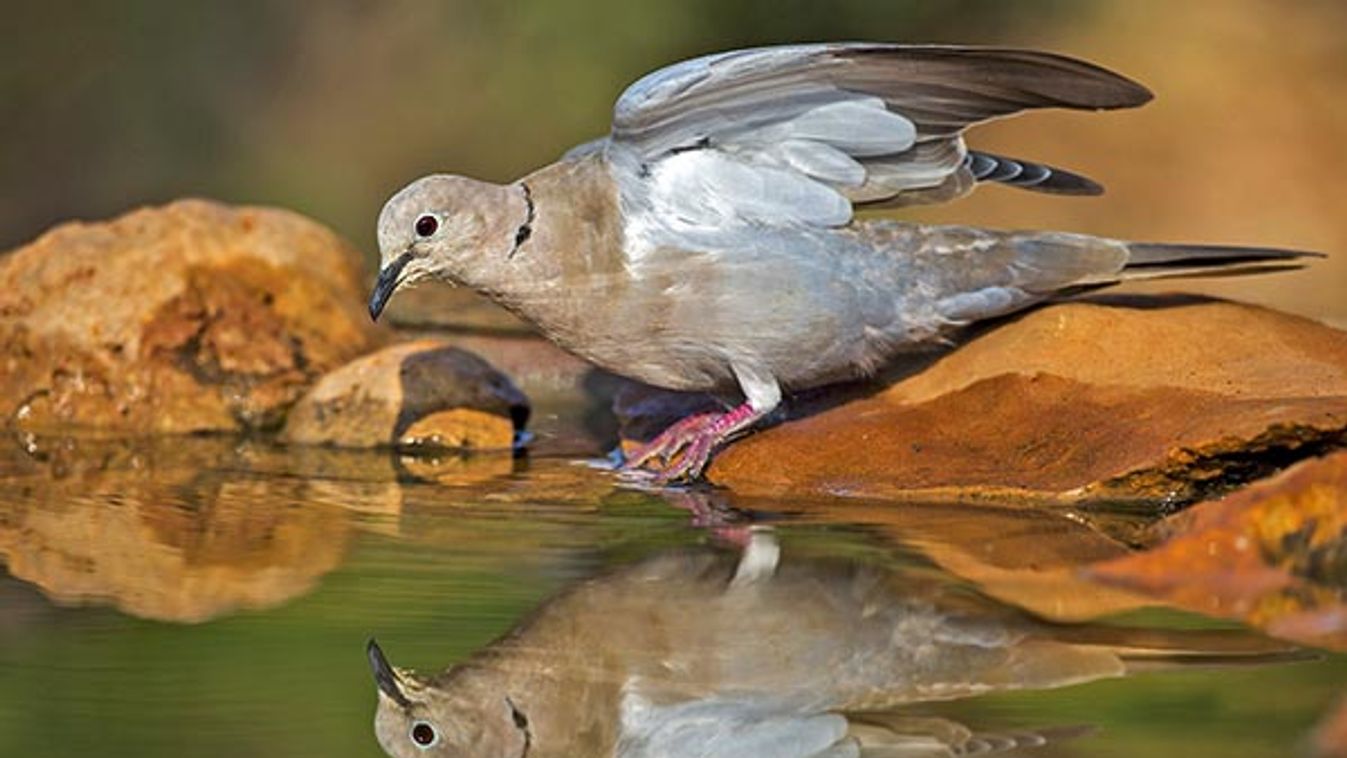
(801, 133)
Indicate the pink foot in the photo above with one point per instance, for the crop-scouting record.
(681, 452)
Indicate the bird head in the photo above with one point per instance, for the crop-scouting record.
(418, 718)
(445, 227)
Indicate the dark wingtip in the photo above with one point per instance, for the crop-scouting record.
(1067, 183)
(1038, 177)
(1131, 94)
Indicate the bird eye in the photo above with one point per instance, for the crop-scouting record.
(426, 225)
(424, 735)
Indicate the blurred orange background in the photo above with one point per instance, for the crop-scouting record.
(329, 107)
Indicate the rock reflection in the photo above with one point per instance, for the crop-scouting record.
(187, 529)
(716, 653)
(161, 532)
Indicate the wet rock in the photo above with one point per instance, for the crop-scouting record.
(1273, 555)
(189, 317)
(571, 399)
(1161, 399)
(421, 394)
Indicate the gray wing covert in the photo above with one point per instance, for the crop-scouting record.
(802, 132)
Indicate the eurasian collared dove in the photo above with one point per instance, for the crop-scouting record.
(709, 243)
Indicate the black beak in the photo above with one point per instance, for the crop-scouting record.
(387, 282)
(384, 675)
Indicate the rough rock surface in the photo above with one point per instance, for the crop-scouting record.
(423, 394)
(1165, 399)
(190, 317)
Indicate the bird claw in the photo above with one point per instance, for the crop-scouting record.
(679, 453)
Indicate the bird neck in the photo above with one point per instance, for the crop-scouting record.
(564, 234)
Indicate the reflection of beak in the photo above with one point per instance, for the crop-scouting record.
(387, 282)
(384, 675)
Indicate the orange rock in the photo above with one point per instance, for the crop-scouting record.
(190, 317)
(1271, 555)
(1159, 399)
(423, 394)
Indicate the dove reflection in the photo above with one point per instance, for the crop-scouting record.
(703, 653)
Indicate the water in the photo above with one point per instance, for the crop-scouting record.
(211, 597)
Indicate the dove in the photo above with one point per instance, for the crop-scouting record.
(710, 242)
(765, 652)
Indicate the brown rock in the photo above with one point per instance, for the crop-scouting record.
(416, 394)
(571, 399)
(1090, 400)
(190, 317)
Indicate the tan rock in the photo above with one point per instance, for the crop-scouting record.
(190, 317)
(1186, 343)
(417, 394)
(1094, 400)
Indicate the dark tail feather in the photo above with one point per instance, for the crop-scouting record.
(1157, 261)
(1144, 649)
(1038, 177)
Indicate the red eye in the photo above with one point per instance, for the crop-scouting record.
(426, 225)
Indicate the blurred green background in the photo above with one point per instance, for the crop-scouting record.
(328, 107)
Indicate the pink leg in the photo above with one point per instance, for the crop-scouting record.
(680, 452)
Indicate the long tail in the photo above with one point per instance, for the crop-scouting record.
(1142, 649)
(979, 273)
(1146, 260)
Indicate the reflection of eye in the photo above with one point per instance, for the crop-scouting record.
(424, 735)
(426, 225)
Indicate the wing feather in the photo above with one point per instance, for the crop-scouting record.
(798, 134)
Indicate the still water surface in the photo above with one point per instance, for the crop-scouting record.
(214, 598)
